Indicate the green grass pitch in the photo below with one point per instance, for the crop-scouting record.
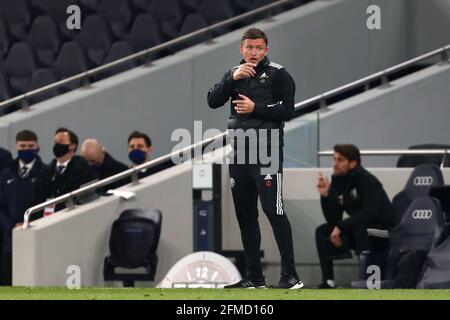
(13, 293)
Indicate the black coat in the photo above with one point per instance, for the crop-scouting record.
(109, 168)
(50, 184)
(5, 158)
(361, 195)
(16, 196)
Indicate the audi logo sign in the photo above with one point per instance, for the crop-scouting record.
(422, 214)
(423, 181)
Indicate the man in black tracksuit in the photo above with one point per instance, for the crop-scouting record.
(262, 94)
(361, 195)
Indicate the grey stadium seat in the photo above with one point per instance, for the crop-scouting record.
(144, 33)
(42, 78)
(19, 67)
(17, 15)
(169, 15)
(95, 37)
(71, 61)
(45, 40)
(118, 14)
(118, 50)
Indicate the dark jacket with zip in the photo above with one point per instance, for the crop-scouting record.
(361, 195)
(272, 90)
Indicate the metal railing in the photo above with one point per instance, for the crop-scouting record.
(397, 152)
(320, 101)
(148, 53)
(69, 198)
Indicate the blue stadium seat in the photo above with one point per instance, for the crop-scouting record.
(119, 49)
(118, 13)
(169, 15)
(95, 37)
(42, 78)
(144, 33)
(19, 67)
(17, 15)
(71, 61)
(44, 39)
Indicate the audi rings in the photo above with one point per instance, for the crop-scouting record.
(423, 181)
(422, 214)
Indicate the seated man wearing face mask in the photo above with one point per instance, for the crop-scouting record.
(66, 173)
(140, 151)
(16, 192)
(103, 163)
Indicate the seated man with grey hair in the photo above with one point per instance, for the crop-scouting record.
(103, 163)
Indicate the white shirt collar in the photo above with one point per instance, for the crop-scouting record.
(63, 164)
(29, 166)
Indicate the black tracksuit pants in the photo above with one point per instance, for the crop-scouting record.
(356, 239)
(247, 184)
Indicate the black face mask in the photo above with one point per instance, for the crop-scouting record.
(60, 150)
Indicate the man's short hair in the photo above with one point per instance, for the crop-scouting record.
(348, 151)
(254, 33)
(26, 135)
(140, 135)
(73, 138)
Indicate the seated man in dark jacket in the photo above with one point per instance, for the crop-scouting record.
(16, 192)
(103, 163)
(66, 173)
(361, 195)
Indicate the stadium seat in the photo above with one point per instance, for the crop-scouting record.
(421, 229)
(119, 49)
(17, 16)
(216, 11)
(133, 244)
(19, 67)
(419, 184)
(5, 41)
(144, 33)
(191, 5)
(39, 6)
(90, 6)
(4, 91)
(57, 10)
(44, 39)
(95, 37)
(140, 5)
(118, 14)
(436, 273)
(71, 61)
(169, 15)
(42, 78)
(193, 22)
(408, 161)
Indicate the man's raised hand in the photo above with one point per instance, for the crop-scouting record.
(244, 70)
